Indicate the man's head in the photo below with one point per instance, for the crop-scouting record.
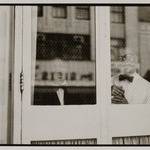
(130, 61)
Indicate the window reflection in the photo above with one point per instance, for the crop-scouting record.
(63, 46)
(40, 11)
(117, 14)
(65, 57)
(59, 11)
(130, 55)
(116, 48)
(83, 12)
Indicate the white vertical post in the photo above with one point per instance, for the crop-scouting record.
(16, 76)
(103, 70)
(11, 54)
(27, 55)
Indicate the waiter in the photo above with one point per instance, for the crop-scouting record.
(130, 88)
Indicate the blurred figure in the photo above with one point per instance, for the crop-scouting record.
(130, 88)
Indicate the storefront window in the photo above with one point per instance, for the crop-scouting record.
(130, 57)
(64, 67)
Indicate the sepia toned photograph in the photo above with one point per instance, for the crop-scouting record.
(74, 75)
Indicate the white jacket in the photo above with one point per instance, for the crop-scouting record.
(137, 91)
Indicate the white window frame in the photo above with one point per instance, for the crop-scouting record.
(16, 77)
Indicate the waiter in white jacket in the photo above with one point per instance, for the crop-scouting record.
(130, 88)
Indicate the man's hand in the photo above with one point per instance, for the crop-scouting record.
(119, 100)
(118, 95)
(117, 91)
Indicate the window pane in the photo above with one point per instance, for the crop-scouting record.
(63, 70)
(144, 14)
(117, 45)
(59, 11)
(83, 13)
(54, 45)
(117, 14)
(130, 57)
(117, 9)
(40, 11)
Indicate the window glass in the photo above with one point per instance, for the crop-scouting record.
(130, 57)
(117, 14)
(6, 64)
(59, 11)
(40, 11)
(83, 12)
(117, 46)
(63, 71)
(63, 46)
(143, 14)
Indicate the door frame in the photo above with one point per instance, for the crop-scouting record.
(16, 76)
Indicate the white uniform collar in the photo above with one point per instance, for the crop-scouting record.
(135, 75)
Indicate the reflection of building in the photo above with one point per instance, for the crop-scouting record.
(65, 32)
(130, 31)
(66, 39)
